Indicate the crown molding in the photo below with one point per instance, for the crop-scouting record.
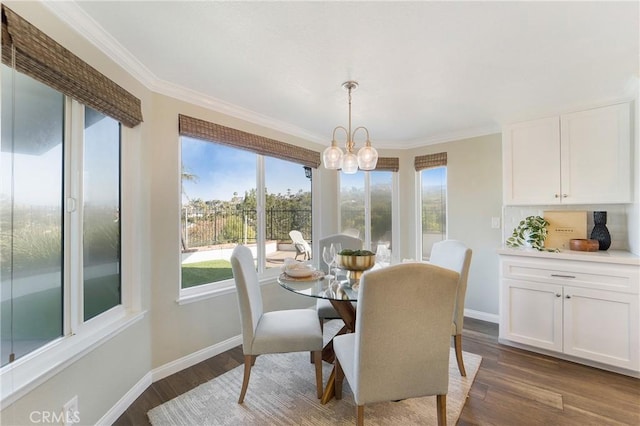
(77, 19)
(218, 105)
(472, 132)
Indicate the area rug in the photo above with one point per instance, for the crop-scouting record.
(282, 392)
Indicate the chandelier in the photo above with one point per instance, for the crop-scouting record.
(333, 157)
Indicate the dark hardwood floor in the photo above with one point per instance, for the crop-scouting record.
(512, 387)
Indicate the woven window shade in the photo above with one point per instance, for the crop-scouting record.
(388, 164)
(42, 58)
(430, 160)
(201, 129)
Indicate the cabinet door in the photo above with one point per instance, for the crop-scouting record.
(602, 326)
(531, 313)
(531, 162)
(596, 155)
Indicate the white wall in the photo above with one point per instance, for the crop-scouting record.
(474, 196)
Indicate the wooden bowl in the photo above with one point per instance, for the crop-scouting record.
(584, 245)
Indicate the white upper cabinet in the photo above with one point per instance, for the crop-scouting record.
(531, 162)
(577, 158)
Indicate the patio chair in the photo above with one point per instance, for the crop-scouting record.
(301, 245)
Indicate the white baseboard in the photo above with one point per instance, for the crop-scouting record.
(484, 316)
(161, 372)
(125, 402)
(194, 358)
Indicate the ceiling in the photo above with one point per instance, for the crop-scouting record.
(428, 71)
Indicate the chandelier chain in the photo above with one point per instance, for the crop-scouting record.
(349, 162)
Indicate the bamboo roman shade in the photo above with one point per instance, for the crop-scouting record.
(388, 164)
(201, 129)
(42, 58)
(430, 160)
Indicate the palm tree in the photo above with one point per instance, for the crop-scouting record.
(186, 176)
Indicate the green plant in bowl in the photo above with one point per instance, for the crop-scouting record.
(349, 252)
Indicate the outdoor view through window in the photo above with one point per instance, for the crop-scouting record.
(59, 246)
(223, 206)
(365, 205)
(434, 207)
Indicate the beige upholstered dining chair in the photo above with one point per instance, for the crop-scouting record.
(351, 231)
(400, 348)
(324, 308)
(295, 330)
(454, 255)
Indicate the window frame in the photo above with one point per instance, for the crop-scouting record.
(395, 210)
(80, 337)
(265, 275)
(418, 225)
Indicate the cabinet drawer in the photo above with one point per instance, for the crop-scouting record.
(602, 276)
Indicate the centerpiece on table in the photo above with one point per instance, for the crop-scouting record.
(356, 262)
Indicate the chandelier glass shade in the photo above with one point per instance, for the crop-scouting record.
(366, 158)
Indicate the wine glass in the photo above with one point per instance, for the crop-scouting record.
(328, 256)
(382, 255)
(337, 248)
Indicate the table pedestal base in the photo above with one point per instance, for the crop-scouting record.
(348, 314)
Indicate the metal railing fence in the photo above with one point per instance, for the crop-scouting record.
(203, 227)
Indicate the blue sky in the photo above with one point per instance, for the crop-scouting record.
(222, 170)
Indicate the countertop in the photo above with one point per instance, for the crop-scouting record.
(609, 256)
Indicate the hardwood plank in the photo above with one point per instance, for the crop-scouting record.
(513, 386)
(524, 389)
(597, 419)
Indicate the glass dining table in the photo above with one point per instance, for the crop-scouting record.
(340, 292)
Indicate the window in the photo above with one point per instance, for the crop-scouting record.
(224, 204)
(101, 214)
(62, 288)
(433, 207)
(366, 200)
(59, 209)
(31, 209)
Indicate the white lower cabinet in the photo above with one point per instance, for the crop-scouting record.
(533, 314)
(587, 310)
(601, 326)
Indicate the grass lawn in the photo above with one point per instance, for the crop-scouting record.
(205, 272)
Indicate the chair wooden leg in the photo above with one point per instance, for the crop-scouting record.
(317, 358)
(441, 406)
(338, 379)
(249, 360)
(321, 331)
(360, 415)
(457, 343)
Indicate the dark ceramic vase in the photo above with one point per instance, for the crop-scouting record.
(600, 231)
